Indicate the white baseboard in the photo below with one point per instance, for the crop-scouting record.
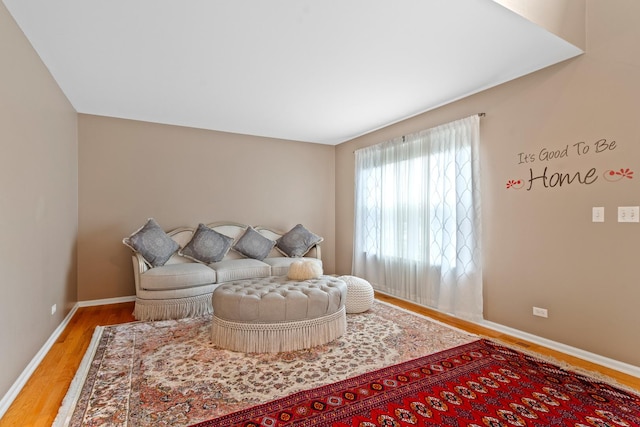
(106, 301)
(567, 349)
(554, 345)
(10, 396)
(14, 390)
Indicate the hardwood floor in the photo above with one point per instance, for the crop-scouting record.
(38, 402)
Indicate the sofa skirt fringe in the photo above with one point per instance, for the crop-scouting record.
(279, 336)
(178, 308)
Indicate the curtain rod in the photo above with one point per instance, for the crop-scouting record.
(404, 136)
(479, 115)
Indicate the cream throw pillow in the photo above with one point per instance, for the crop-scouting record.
(304, 270)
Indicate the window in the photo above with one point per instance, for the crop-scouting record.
(417, 219)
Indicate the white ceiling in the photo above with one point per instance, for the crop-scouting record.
(316, 71)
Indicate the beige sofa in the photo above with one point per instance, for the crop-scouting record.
(182, 287)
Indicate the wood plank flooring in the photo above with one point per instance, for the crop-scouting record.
(39, 400)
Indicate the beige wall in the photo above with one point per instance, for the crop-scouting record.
(132, 170)
(564, 18)
(540, 246)
(38, 202)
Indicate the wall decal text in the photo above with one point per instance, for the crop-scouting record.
(580, 148)
(548, 178)
(558, 179)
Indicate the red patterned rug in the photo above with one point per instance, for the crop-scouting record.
(473, 385)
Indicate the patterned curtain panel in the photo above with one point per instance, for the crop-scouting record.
(417, 218)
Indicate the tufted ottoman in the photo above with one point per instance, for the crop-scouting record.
(275, 314)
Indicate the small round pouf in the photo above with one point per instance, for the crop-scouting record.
(275, 314)
(359, 294)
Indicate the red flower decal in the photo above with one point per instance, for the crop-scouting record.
(516, 184)
(626, 173)
(613, 176)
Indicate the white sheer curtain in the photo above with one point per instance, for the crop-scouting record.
(417, 218)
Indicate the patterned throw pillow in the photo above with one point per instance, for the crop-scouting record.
(206, 245)
(254, 245)
(297, 241)
(150, 241)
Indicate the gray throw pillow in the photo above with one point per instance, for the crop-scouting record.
(297, 241)
(254, 245)
(206, 245)
(150, 241)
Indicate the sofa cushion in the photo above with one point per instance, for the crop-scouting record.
(150, 241)
(206, 245)
(280, 265)
(297, 241)
(238, 269)
(177, 276)
(253, 244)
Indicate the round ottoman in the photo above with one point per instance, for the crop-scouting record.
(359, 294)
(275, 314)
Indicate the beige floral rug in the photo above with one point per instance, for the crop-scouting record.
(169, 374)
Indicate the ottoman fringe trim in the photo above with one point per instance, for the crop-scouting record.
(279, 336)
(178, 308)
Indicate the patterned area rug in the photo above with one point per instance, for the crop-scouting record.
(169, 374)
(474, 385)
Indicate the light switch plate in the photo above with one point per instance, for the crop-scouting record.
(597, 214)
(628, 214)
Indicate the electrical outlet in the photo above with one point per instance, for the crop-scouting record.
(541, 312)
(53, 309)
